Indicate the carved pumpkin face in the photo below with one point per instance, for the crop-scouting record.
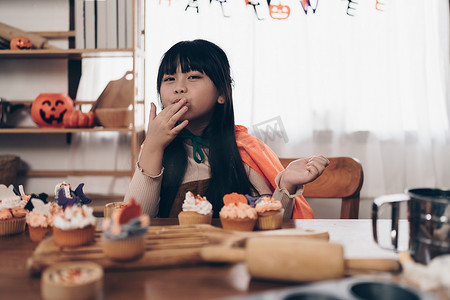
(279, 11)
(48, 109)
(20, 42)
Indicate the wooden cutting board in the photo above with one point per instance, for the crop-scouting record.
(166, 246)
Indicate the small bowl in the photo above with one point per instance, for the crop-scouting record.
(380, 290)
(110, 207)
(56, 284)
(114, 117)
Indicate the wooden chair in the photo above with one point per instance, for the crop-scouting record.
(343, 178)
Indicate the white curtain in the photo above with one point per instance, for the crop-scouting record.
(367, 79)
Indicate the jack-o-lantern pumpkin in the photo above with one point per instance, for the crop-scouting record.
(48, 109)
(279, 11)
(20, 42)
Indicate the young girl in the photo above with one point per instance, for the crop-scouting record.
(194, 145)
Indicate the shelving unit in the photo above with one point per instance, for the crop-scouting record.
(74, 58)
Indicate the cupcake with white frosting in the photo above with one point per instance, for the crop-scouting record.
(12, 211)
(75, 227)
(196, 210)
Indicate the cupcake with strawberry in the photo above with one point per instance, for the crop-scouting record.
(236, 214)
(196, 210)
(124, 233)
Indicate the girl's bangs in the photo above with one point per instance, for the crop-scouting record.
(187, 60)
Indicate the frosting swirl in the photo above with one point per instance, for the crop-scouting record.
(238, 211)
(197, 204)
(75, 217)
(267, 204)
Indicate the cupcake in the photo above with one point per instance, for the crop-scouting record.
(12, 212)
(270, 213)
(124, 233)
(72, 280)
(40, 219)
(236, 214)
(196, 210)
(75, 227)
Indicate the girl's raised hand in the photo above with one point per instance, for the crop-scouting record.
(163, 128)
(302, 171)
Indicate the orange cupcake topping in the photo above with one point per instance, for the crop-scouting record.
(238, 211)
(5, 214)
(234, 198)
(267, 204)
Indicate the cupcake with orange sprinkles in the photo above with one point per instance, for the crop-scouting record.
(236, 214)
(270, 213)
(196, 210)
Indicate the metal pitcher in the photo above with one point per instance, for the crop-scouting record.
(429, 221)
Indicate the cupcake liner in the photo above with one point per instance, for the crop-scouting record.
(124, 249)
(191, 218)
(246, 224)
(12, 226)
(38, 233)
(270, 220)
(74, 237)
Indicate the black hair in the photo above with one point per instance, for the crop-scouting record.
(227, 171)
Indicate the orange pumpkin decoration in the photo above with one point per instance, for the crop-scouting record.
(279, 12)
(48, 109)
(20, 42)
(78, 119)
(234, 198)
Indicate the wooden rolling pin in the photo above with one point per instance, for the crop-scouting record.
(8, 32)
(293, 259)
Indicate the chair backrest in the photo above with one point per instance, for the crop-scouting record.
(343, 178)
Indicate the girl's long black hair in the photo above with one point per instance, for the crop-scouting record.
(227, 171)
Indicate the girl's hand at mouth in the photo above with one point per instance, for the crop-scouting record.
(164, 127)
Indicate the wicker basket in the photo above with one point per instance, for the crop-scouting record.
(9, 166)
(114, 117)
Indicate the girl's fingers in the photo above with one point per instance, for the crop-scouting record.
(152, 111)
(320, 158)
(176, 117)
(176, 130)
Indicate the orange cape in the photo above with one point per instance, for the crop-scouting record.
(263, 160)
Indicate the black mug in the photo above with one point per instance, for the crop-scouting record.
(429, 221)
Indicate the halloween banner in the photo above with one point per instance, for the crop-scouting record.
(275, 9)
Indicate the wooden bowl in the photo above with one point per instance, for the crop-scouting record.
(114, 117)
(54, 284)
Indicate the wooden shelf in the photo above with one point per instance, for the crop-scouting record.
(74, 58)
(39, 130)
(69, 53)
(64, 173)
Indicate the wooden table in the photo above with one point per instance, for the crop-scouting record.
(198, 282)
